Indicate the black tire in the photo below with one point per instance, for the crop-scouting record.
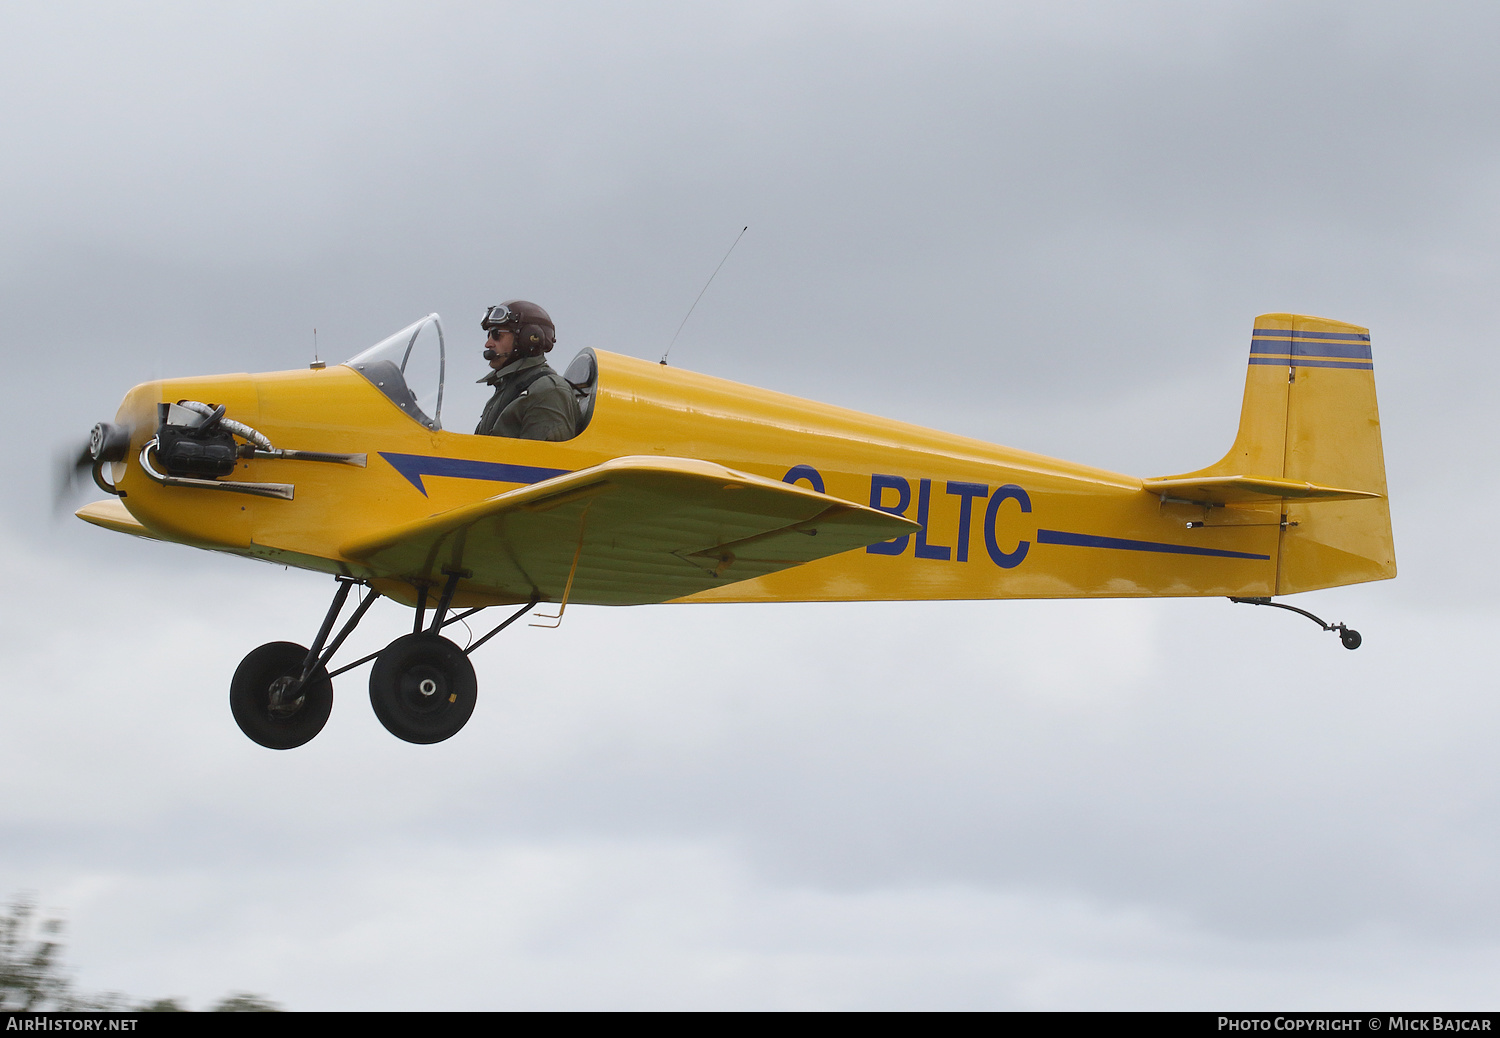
(1350, 638)
(423, 688)
(282, 726)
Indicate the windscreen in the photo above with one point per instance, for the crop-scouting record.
(409, 368)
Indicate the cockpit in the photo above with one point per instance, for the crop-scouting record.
(410, 368)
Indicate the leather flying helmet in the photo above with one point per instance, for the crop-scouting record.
(535, 332)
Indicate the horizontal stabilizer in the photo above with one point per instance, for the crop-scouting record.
(632, 530)
(1228, 490)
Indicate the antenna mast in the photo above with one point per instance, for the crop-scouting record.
(710, 281)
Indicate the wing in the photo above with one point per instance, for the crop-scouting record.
(629, 531)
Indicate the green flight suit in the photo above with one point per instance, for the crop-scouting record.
(531, 402)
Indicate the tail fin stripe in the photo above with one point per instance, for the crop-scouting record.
(1313, 362)
(1285, 333)
(1348, 351)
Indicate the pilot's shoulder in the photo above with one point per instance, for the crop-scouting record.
(550, 380)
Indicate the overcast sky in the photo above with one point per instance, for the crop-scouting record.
(1045, 224)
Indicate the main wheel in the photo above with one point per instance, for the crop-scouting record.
(423, 688)
(1350, 638)
(262, 706)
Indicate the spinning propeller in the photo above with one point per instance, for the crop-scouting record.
(107, 442)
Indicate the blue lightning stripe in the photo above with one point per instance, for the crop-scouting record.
(1089, 540)
(415, 466)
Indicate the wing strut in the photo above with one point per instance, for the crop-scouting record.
(536, 597)
(568, 589)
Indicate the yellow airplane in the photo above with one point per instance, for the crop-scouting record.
(681, 487)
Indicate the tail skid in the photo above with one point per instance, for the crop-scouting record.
(1348, 635)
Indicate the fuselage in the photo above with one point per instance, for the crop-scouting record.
(997, 522)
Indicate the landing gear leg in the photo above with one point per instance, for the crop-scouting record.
(282, 694)
(423, 687)
(274, 703)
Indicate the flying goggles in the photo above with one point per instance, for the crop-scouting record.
(499, 317)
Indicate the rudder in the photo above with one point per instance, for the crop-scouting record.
(1332, 436)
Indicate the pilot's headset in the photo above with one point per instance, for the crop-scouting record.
(535, 332)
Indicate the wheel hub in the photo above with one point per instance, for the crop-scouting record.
(422, 688)
(286, 697)
(425, 687)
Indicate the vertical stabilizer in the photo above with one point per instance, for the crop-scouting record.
(1310, 416)
(1260, 446)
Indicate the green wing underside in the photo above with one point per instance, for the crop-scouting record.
(630, 531)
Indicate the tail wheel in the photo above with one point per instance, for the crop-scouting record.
(423, 688)
(268, 706)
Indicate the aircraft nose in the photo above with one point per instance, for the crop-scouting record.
(109, 442)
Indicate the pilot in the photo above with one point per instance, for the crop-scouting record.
(531, 401)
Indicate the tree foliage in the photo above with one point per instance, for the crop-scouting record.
(245, 1002)
(32, 978)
